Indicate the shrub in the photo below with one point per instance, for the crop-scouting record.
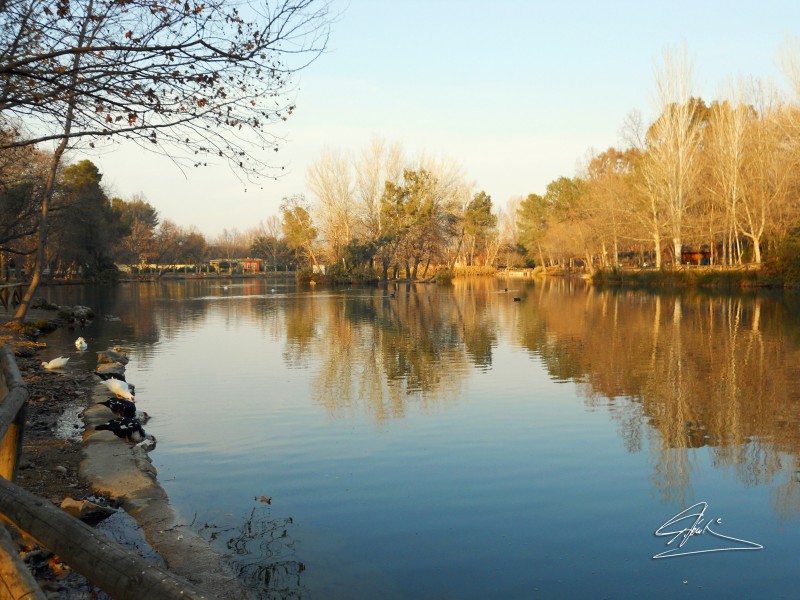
(304, 275)
(444, 276)
(786, 265)
(44, 325)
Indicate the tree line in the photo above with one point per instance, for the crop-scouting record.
(704, 182)
(713, 183)
(91, 232)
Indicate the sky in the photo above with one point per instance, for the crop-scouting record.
(518, 92)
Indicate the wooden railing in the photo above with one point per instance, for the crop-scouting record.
(113, 568)
(11, 294)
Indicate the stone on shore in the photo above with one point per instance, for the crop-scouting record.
(86, 510)
(110, 368)
(111, 356)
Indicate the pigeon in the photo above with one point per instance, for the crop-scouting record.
(80, 344)
(129, 429)
(56, 363)
(125, 408)
(120, 389)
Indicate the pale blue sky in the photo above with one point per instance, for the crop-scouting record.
(516, 91)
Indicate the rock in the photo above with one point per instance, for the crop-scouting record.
(111, 356)
(43, 304)
(112, 367)
(86, 510)
(75, 313)
(24, 351)
(83, 313)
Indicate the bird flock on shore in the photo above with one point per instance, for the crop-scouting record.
(128, 422)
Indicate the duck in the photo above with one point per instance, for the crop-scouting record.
(127, 428)
(125, 408)
(120, 389)
(80, 344)
(148, 443)
(56, 363)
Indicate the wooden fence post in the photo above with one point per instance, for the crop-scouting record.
(16, 582)
(113, 568)
(13, 396)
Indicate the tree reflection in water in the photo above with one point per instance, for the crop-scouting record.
(676, 371)
(262, 554)
(679, 372)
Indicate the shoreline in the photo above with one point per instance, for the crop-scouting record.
(65, 457)
(123, 472)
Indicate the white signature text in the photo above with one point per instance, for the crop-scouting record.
(692, 521)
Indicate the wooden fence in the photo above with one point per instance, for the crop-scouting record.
(11, 294)
(113, 568)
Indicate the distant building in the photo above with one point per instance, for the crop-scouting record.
(247, 265)
(251, 265)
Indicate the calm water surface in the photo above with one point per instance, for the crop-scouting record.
(451, 443)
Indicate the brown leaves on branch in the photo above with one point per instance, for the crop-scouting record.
(121, 71)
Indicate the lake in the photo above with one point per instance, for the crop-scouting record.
(423, 441)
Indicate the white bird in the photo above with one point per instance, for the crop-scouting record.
(56, 363)
(120, 389)
(148, 443)
(80, 344)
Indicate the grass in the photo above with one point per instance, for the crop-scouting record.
(707, 277)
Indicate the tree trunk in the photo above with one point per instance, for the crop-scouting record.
(311, 253)
(541, 256)
(50, 184)
(47, 196)
(657, 242)
(756, 249)
(452, 265)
